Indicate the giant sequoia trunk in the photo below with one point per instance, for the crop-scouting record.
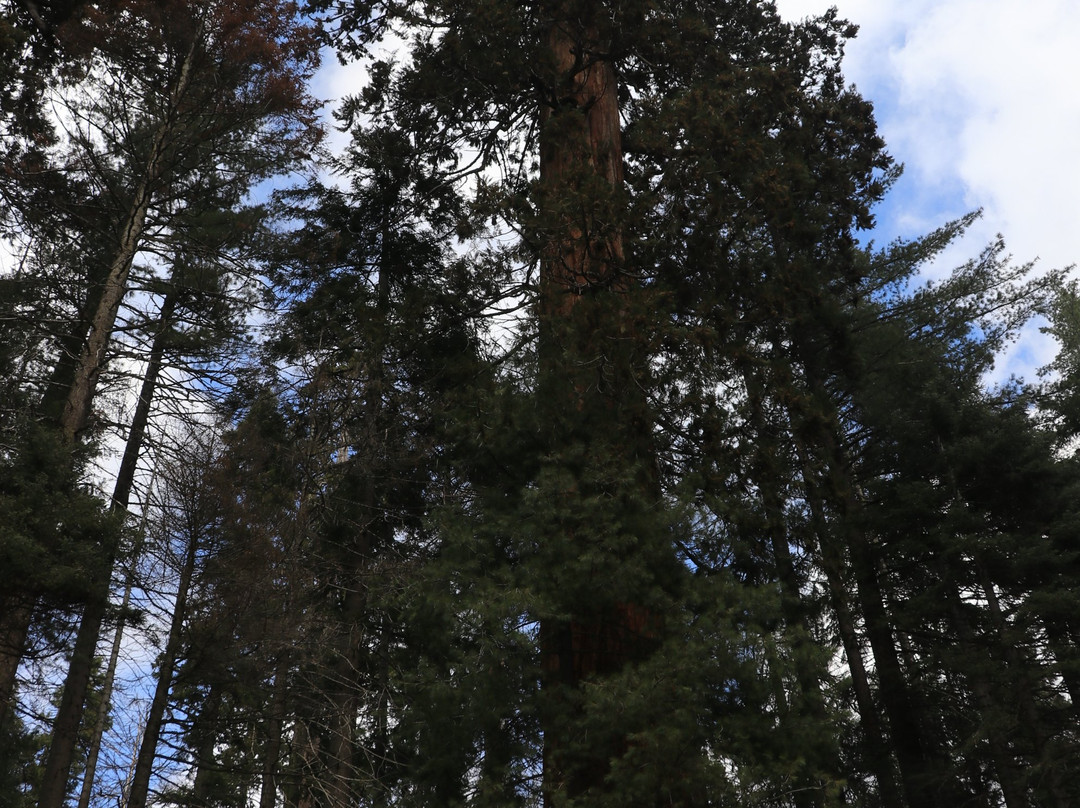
(587, 373)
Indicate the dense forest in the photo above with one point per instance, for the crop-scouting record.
(562, 440)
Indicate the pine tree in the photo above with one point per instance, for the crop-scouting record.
(161, 145)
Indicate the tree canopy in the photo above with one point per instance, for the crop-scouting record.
(560, 440)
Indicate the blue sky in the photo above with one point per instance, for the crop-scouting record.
(979, 100)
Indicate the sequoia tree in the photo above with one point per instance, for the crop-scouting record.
(642, 154)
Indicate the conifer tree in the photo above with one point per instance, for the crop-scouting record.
(631, 122)
(177, 110)
(656, 489)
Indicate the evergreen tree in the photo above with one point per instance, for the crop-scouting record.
(178, 111)
(656, 489)
(631, 271)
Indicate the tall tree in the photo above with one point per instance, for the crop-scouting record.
(615, 115)
(660, 490)
(178, 111)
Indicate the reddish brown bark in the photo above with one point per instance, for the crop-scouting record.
(580, 169)
(585, 325)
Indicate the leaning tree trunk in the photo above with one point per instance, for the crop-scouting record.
(925, 773)
(879, 760)
(73, 699)
(144, 765)
(91, 361)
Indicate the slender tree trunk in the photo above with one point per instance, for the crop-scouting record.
(14, 630)
(92, 358)
(833, 565)
(926, 774)
(880, 760)
(73, 699)
(810, 701)
(903, 717)
(1002, 756)
(206, 740)
(17, 608)
(299, 790)
(90, 773)
(344, 682)
(144, 766)
(274, 727)
(904, 730)
(65, 732)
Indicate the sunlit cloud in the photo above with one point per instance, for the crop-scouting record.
(975, 97)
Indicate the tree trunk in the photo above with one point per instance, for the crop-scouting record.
(274, 727)
(73, 699)
(206, 739)
(879, 760)
(14, 630)
(341, 776)
(76, 411)
(1064, 650)
(144, 765)
(810, 701)
(17, 607)
(1005, 765)
(926, 777)
(90, 773)
(1032, 724)
(300, 789)
(903, 717)
(373, 530)
(925, 773)
(586, 373)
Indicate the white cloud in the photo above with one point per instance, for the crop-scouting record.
(976, 98)
(335, 82)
